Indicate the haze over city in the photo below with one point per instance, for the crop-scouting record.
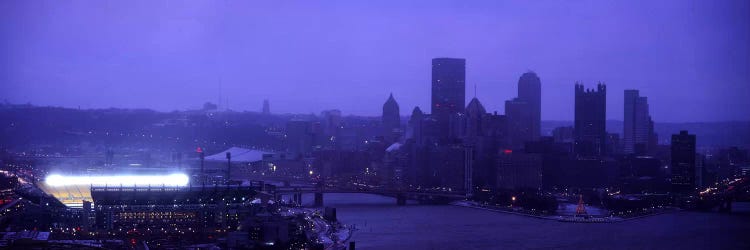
(689, 57)
(344, 125)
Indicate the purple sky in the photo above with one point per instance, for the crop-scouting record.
(690, 58)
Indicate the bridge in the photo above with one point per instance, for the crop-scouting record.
(724, 194)
(401, 195)
(268, 191)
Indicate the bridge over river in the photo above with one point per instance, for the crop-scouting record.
(296, 189)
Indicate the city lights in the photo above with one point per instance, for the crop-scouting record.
(520, 124)
(118, 180)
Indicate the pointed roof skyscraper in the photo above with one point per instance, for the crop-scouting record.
(417, 113)
(391, 118)
(474, 113)
(475, 108)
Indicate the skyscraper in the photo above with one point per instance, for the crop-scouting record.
(683, 162)
(475, 113)
(590, 120)
(414, 126)
(519, 122)
(530, 92)
(448, 90)
(266, 107)
(636, 123)
(391, 120)
(524, 112)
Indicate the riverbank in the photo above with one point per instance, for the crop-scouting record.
(332, 234)
(475, 205)
(663, 211)
(557, 217)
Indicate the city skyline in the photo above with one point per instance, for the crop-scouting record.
(179, 59)
(375, 125)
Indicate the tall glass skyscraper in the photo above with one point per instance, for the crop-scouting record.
(448, 90)
(683, 162)
(636, 123)
(530, 92)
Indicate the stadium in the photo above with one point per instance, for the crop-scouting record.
(73, 190)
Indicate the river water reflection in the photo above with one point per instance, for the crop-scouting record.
(383, 225)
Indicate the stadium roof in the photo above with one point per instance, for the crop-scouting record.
(239, 155)
(393, 147)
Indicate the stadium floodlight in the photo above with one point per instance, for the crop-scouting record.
(118, 180)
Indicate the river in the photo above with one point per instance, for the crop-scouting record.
(383, 225)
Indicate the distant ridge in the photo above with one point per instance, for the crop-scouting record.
(725, 133)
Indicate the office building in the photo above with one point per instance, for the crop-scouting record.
(519, 122)
(518, 170)
(590, 120)
(683, 162)
(530, 92)
(391, 120)
(448, 90)
(637, 124)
